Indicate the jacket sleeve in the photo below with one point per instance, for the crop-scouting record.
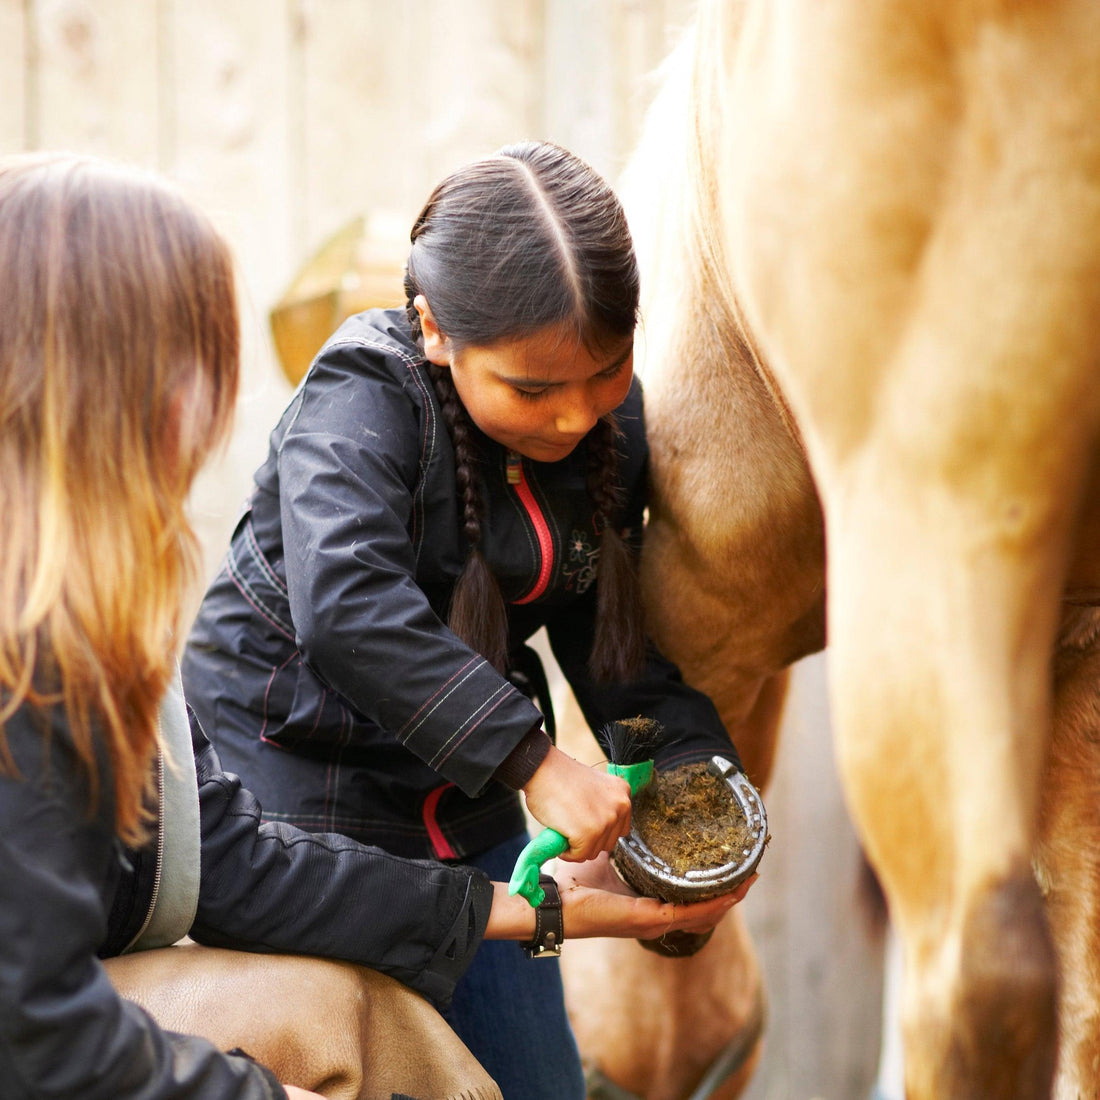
(64, 1031)
(693, 729)
(349, 466)
(271, 887)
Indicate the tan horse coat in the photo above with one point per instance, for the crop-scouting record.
(906, 197)
(334, 1028)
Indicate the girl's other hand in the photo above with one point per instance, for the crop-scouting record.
(586, 805)
(596, 902)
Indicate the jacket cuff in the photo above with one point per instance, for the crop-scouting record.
(677, 753)
(456, 951)
(523, 761)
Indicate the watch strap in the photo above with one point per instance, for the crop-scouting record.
(549, 929)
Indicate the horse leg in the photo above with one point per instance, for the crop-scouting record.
(1068, 854)
(654, 1026)
(757, 736)
(885, 187)
(341, 1030)
(939, 686)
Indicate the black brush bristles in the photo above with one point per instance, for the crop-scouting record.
(632, 740)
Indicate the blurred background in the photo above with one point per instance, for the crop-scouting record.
(288, 120)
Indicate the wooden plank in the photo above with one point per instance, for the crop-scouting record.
(393, 95)
(599, 73)
(96, 77)
(226, 83)
(644, 34)
(579, 81)
(820, 946)
(225, 87)
(358, 77)
(479, 67)
(13, 77)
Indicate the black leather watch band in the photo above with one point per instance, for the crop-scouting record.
(549, 930)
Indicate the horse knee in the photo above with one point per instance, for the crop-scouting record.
(994, 1032)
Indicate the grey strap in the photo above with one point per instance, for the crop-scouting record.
(176, 893)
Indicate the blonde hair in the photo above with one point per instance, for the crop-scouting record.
(118, 375)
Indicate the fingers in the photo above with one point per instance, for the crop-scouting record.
(609, 820)
(596, 843)
(598, 903)
(699, 916)
(589, 806)
(743, 889)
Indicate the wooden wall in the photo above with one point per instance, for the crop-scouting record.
(285, 118)
(814, 919)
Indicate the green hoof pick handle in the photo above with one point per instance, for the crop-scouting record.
(550, 843)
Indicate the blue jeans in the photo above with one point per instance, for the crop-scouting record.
(510, 1010)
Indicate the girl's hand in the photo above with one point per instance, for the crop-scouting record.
(594, 898)
(596, 902)
(586, 805)
(295, 1093)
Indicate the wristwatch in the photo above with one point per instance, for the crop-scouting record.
(549, 930)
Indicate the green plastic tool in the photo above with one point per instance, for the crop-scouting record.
(550, 843)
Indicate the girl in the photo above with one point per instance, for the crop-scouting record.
(448, 479)
(118, 372)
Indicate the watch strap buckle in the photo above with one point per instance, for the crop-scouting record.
(549, 929)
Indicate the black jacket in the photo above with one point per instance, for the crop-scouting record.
(69, 892)
(324, 632)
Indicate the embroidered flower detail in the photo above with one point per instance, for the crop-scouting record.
(579, 547)
(580, 577)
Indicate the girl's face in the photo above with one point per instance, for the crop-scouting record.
(539, 395)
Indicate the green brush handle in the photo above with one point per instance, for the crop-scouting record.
(637, 775)
(525, 877)
(550, 843)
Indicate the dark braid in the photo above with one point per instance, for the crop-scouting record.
(477, 615)
(618, 649)
(411, 291)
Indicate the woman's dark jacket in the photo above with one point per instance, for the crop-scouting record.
(69, 892)
(320, 663)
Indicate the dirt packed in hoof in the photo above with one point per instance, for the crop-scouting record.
(687, 818)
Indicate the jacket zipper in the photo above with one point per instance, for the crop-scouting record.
(517, 477)
(160, 852)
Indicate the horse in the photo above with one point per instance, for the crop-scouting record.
(733, 578)
(333, 1027)
(871, 270)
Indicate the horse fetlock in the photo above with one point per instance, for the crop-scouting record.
(993, 1033)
